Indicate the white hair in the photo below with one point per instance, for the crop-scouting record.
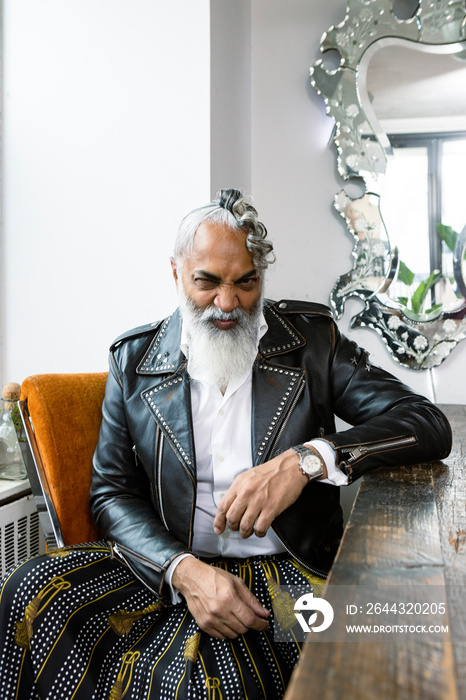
(232, 210)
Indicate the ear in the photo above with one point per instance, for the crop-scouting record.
(174, 271)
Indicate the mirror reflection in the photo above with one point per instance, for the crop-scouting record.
(398, 98)
(419, 109)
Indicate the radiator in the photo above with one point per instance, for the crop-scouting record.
(20, 532)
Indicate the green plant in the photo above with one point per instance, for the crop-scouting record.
(417, 299)
(419, 295)
(448, 236)
(18, 423)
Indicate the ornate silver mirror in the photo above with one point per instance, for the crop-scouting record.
(398, 98)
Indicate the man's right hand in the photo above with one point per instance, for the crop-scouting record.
(221, 603)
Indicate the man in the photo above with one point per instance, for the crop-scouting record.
(200, 540)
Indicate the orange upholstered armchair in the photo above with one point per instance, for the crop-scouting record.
(62, 415)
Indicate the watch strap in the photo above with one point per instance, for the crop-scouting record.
(304, 451)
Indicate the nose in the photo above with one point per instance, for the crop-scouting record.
(226, 298)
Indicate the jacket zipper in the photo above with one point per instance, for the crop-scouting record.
(121, 550)
(159, 460)
(287, 417)
(363, 450)
(304, 564)
(159, 478)
(117, 550)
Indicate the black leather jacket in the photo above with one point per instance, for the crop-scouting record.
(143, 490)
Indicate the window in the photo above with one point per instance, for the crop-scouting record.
(424, 186)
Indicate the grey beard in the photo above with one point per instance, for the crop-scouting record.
(220, 355)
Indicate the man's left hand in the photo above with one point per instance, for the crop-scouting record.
(258, 495)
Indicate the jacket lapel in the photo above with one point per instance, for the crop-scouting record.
(170, 405)
(275, 387)
(281, 336)
(169, 398)
(164, 355)
(274, 390)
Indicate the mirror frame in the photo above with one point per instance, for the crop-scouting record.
(362, 148)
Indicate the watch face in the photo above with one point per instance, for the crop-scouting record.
(312, 464)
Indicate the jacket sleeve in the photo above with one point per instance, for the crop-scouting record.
(392, 425)
(120, 497)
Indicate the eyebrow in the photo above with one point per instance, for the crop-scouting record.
(215, 278)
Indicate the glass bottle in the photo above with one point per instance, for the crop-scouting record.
(11, 459)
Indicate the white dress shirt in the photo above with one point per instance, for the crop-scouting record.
(222, 439)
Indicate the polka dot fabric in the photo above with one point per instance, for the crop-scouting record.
(76, 624)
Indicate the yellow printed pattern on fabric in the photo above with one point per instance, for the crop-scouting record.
(24, 631)
(122, 621)
(125, 674)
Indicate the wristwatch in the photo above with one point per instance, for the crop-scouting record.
(310, 461)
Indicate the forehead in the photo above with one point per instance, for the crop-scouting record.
(218, 247)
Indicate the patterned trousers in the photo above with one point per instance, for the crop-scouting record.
(75, 624)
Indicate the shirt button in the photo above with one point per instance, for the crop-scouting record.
(221, 412)
(220, 458)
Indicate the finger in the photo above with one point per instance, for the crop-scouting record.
(247, 621)
(233, 504)
(231, 621)
(224, 630)
(236, 628)
(220, 520)
(263, 522)
(219, 622)
(237, 518)
(241, 613)
(246, 526)
(245, 618)
(230, 515)
(247, 520)
(249, 599)
(231, 617)
(220, 523)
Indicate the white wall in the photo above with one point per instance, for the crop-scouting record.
(293, 171)
(110, 122)
(230, 94)
(106, 146)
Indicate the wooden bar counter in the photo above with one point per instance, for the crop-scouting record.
(407, 527)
